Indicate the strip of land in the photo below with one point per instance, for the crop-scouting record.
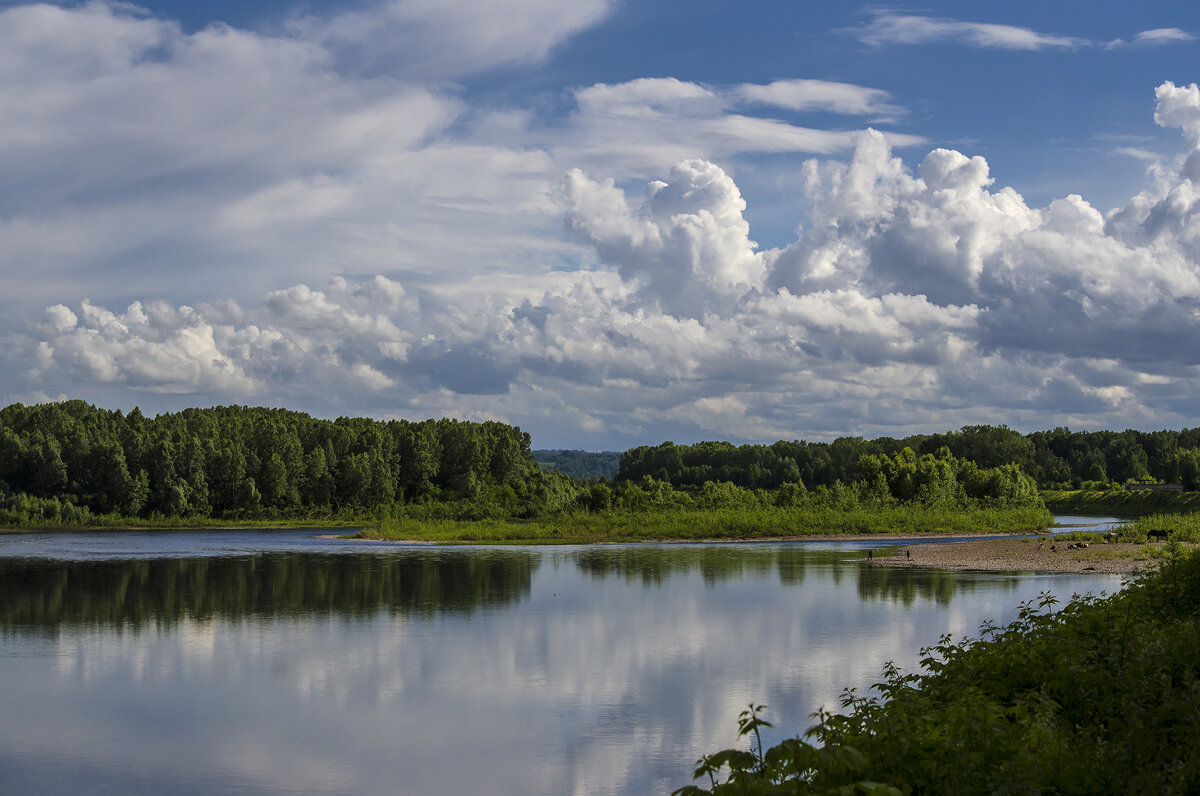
(1024, 555)
(1012, 554)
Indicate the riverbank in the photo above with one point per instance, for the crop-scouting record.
(114, 523)
(749, 523)
(1119, 503)
(1097, 695)
(1018, 553)
(1025, 555)
(1012, 553)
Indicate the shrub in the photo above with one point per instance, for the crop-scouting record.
(1102, 696)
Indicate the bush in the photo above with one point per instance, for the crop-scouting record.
(1102, 696)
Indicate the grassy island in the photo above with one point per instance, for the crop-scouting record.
(718, 524)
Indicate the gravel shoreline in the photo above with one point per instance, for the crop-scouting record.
(1010, 554)
(1017, 555)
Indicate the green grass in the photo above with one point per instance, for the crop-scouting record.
(116, 522)
(1120, 504)
(1180, 528)
(718, 524)
(669, 523)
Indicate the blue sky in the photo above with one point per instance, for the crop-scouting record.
(608, 222)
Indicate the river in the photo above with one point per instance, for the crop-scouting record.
(281, 662)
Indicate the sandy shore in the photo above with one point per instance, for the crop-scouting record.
(1016, 555)
(992, 555)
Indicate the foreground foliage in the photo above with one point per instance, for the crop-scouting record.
(1102, 696)
(1179, 527)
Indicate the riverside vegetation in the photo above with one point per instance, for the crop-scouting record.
(71, 464)
(1102, 696)
(1112, 500)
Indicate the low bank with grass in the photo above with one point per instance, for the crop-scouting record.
(1120, 503)
(717, 524)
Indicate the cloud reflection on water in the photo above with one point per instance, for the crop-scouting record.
(586, 670)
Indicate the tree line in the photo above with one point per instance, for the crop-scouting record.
(71, 462)
(234, 461)
(1056, 459)
(580, 464)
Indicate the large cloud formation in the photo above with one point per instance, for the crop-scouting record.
(140, 159)
(317, 215)
(913, 299)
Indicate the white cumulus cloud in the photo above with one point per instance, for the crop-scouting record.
(915, 298)
(317, 216)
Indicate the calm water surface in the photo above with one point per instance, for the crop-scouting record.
(276, 662)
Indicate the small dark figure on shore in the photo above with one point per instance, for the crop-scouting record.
(908, 554)
(870, 557)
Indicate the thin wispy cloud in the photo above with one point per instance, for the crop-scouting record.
(447, 39)
(642, 122)
(1159, 36)
(824, 95)
(887, 27)
(1138, 153)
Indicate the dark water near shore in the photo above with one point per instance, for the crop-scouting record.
(276, 662)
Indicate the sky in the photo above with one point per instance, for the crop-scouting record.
(610, 223)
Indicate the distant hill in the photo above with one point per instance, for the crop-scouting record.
(580, 464)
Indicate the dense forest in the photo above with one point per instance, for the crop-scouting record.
(63, 460)
(72, 463)
(1053, 459)
(580, 464)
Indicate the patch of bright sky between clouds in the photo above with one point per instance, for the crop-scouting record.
(609, 223)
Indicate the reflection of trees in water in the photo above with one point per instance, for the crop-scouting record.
(653, 566)
(792, 564)
(905, 586)
(715, 563)
(47, 595)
